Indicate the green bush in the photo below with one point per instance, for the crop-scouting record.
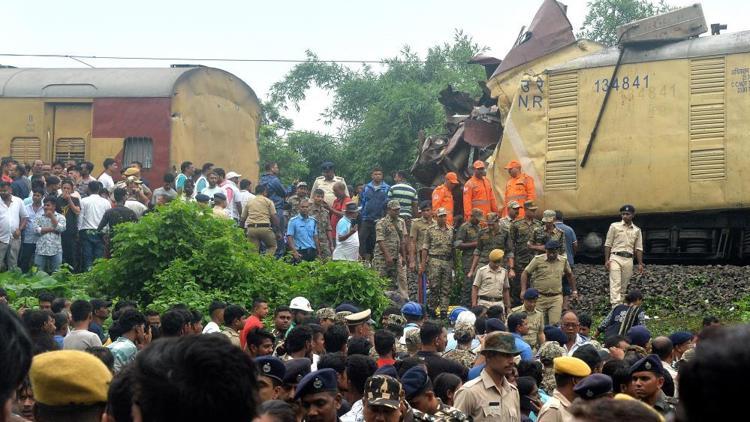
(180, 253)
(23, 289)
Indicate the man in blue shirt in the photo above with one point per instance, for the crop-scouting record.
(302, 234)
(372, 201)
(519, 327)
(571, 247)
(276, 193)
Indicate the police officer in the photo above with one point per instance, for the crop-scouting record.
(466, 242)
(271, 373)
(534, 318)
(521, 254)
(326, 182)
(568, 372)
(547, 271)
(437, 249)
(420, 395)
(491, 286)
(624, 240)
(319, 394)
(490, 397)
(296, 369)
(594, 386)
(389, 244)
(490, 238)
(647, 379)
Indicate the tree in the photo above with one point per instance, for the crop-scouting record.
(604, 16)
(380, 113)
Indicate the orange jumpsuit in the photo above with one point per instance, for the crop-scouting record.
(478, 194)
(442, 197)
(519, 189)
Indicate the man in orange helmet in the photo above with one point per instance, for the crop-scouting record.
(442, 196)
(519, 188)
(478, 192)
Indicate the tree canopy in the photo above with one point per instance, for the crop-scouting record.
(379, 113)
(604, 16)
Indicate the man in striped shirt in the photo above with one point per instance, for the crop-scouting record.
(405, 195)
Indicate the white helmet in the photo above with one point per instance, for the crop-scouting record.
(300, 304)
(466, 317)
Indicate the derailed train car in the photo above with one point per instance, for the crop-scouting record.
(158, 116)
(671, 136)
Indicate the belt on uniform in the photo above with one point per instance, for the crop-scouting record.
(443, 257)
(490, 298)
(256, 226)
(624, 254)
(550, 294)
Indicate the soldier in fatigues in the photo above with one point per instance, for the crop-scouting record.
(437, 249)
(419, 393)
(300, 195)
(546, 232)
(547, 353)
(416, 238)
(321, 214)
(389, 244)
(521, 232)
(513, 210)
(464, 334)
(490, 238)
(466, 242)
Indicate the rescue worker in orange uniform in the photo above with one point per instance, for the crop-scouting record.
(519, 188)
(478, 192)
(442, 196)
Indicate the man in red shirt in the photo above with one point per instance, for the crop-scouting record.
(385, 346)
(338, 208)
(255, 320)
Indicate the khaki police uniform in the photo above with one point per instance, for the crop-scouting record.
(439, 245)
(623, 240)
(327, 187)
(535, 320)
(483, 400)
(490, 286)
(556, 409)
(547, 279)
(257, 215)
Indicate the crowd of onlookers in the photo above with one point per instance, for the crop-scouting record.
(92, 360)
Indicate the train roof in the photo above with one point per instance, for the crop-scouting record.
(93, 82)
(729, 43)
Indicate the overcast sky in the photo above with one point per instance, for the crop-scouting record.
(336, 30)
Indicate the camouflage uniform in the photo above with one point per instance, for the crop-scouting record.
(294, 202)
(325, 313)
(439, 245)
(540, 236)
(449, 414)
(416, 233)
(324, 229)
(467, 233)
(547, 353)
(391, 232)
(396, 320)
(521, 232)
(505, 223)
(341, 317)
(489, 240)
(462, 356)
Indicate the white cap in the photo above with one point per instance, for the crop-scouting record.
(300, 304)
(232, 175)
(466, 317)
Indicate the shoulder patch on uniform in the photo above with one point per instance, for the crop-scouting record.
(473, 382)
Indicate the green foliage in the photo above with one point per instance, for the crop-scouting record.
(23, 289)
(182, 254)
(380, 113)
(604, 16)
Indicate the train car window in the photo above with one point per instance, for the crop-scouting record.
(70, 149)
(138, 148)
(25, 150)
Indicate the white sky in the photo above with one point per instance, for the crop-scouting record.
(333, 29)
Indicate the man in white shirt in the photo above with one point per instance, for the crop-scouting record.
(106, 179)
(80, 338)
(245, 195)
(13, 219)
(93, 208)
(229, 189)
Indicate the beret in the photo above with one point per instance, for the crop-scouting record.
(569, 365)
(639, 335)
(316, 382)
(415, 381)
(69, 377)
(271, 366)
(680, 337)
(296, 369)
(593, 386)
(650, 363)
(496, 255)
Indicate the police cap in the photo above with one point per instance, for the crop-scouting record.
(415, 382)
(680, 337)
(531, 294)
(296, 369)
(272, 367)
(627, 208)
(323, 380)
(500, 341)
(650, 363)
(568, 365)
(593, 387)
(551, 244)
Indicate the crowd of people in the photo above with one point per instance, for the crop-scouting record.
(514, 350)
(92, 360)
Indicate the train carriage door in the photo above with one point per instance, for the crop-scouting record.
(72, 131)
